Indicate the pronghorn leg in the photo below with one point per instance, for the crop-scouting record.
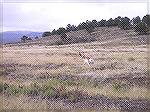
(86, 62)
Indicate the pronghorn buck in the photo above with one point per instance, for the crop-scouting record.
(86, 59)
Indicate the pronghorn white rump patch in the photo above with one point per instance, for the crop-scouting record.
(86, 59)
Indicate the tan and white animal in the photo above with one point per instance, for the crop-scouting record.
(86, 59)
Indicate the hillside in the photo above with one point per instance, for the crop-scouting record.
(105, 36)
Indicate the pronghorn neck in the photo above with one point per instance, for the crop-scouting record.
(82, 55)
(87, 58)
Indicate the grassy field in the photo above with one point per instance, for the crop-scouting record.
(24, 66)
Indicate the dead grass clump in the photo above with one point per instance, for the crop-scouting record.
(101, 67)
(107, 66)
(74, 95)
(131, 59)
(1, 87)
(4, 71)
(59, 43)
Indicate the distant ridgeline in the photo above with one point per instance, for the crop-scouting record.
(90, 31)
(15, 36)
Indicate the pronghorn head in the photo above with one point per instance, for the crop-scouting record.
(82, 54)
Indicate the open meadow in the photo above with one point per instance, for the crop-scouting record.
(55, 77)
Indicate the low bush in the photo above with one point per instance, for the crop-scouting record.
(116, 85)
(13, 90)
(35, 89)
(48, 91)
(26, 91)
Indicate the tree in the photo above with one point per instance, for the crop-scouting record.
(36, 37)
(110, 22)
(141, 28)
(61, 30)
(94, 22)
(69, 28)
(29, 38)
(74, 28)
(45, 34)
(79, 27)
(102, 23)
(146, 20)
(54, 32)
(89, 26)
(124, 23)
(24, 38)
(117, 20)
(136, 20)
(82, 26)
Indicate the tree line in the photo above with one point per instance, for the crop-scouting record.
(140, 25)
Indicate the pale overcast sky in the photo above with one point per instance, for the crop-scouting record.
(46, 16)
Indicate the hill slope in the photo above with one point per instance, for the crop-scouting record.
(101, 34)
(104, 36)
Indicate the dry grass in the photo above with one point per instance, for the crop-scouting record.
(134, 92)
(36, 56)
(20, 102)
(73, 65)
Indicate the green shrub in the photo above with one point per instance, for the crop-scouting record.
(35, 89)
(68, 83)
(26, 91)
(48, 90)
(116, 85)
(14, 90)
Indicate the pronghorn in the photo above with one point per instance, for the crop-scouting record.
(86, 59)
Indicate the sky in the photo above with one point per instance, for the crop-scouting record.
(46, 16)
